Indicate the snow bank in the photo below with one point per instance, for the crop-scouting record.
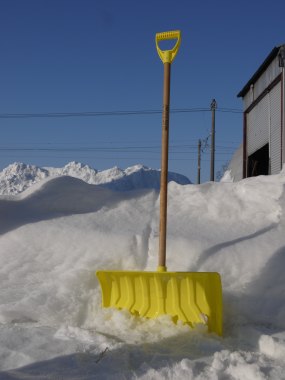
(57, 233)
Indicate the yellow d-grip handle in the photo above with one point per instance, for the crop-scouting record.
(167, 56)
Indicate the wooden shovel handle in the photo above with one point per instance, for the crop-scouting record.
(164, 170)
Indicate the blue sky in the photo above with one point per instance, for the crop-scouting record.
(69, 56)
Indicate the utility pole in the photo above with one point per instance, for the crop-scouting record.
(213, 109)
(199, 163)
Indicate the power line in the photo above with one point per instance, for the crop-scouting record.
(178, 149)
(108, 113)
(115, 158)
(110, 143)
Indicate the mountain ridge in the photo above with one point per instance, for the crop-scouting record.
(18, 176)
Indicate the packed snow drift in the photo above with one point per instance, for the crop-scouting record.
(60, 230)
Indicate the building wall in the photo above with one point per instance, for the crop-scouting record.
(275, 129)
(262, 83)
(257, 126)
(264, 115)
(283, 114)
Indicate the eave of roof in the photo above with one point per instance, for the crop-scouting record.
(259, 71)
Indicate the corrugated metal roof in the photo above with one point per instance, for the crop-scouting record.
(260, 70)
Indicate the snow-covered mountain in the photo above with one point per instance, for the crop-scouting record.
(17, 177)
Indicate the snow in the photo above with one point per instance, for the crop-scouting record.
(18, 176)
(61, 229)
(234, 171)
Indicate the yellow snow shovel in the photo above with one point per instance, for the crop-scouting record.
(192, 297)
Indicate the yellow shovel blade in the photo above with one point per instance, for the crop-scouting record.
(192, 297)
